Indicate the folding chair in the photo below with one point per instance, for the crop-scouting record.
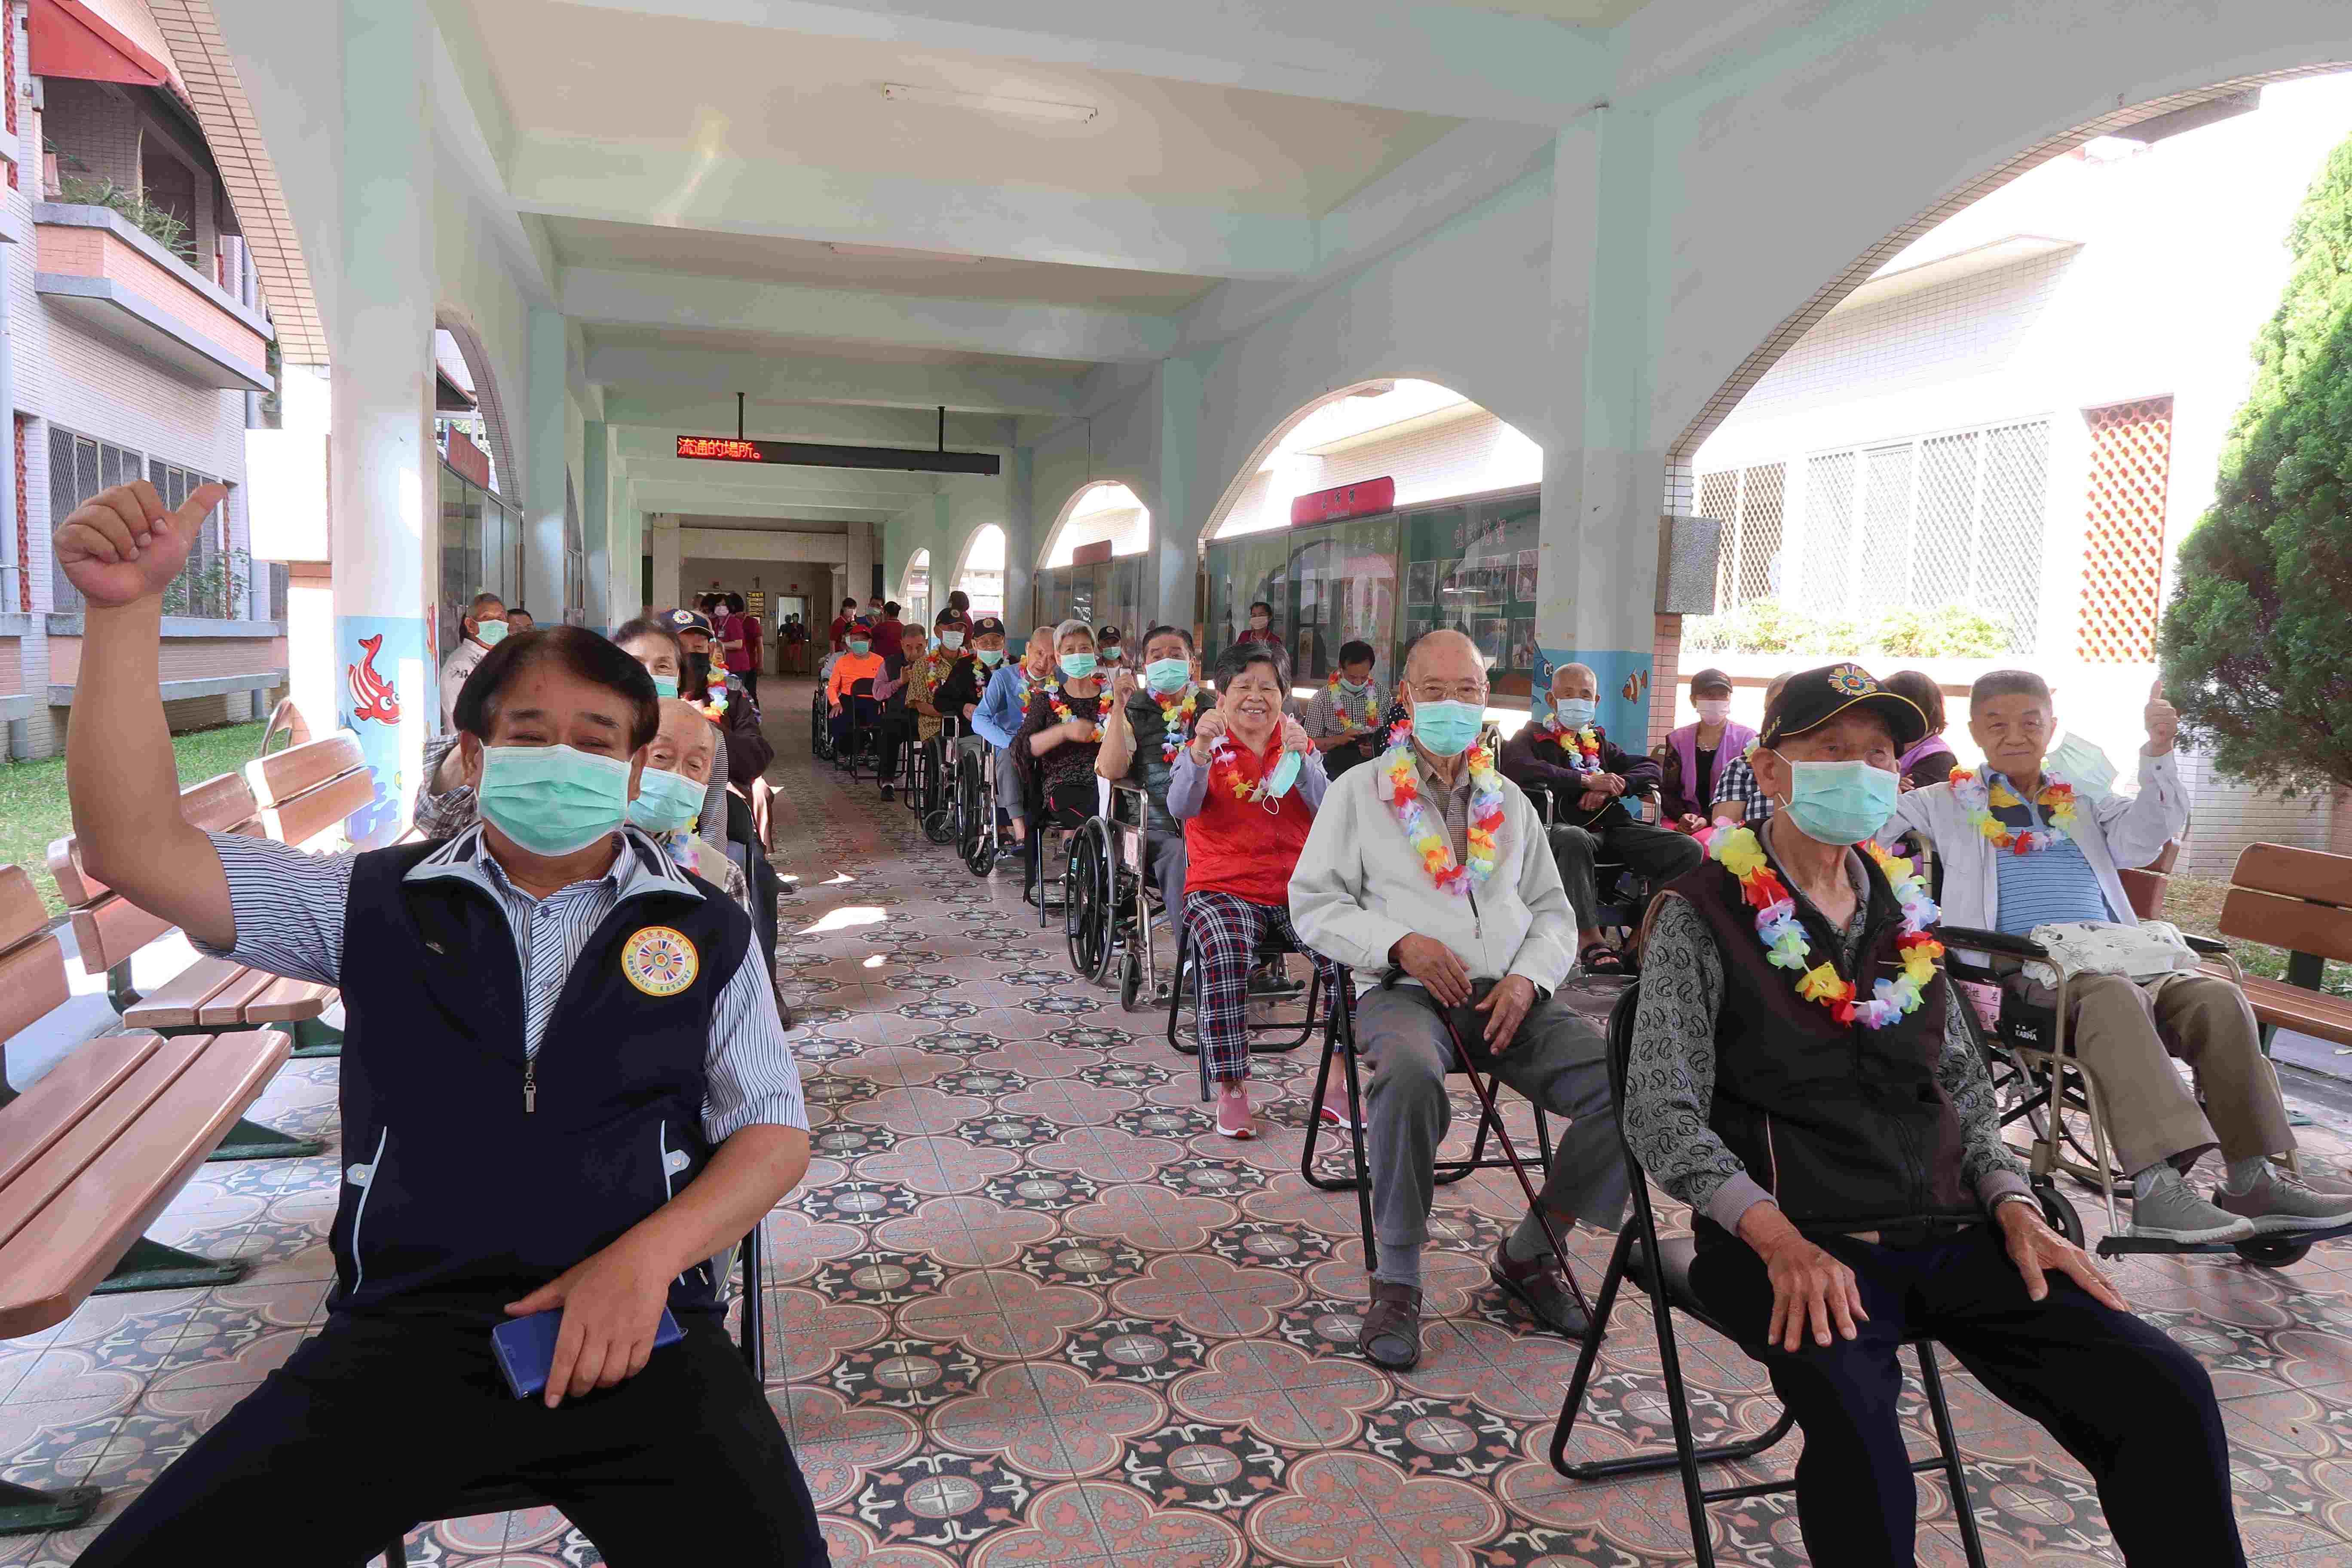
(1669, 1288)
(1267, 1037)
(1340, 1041)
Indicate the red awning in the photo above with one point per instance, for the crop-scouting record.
(67, 40)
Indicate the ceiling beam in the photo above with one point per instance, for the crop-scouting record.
(683, 411)
(796, 378)
(1426, 58)
(685, 188)
(790, 309)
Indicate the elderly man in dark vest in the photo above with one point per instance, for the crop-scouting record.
(1802, 1078)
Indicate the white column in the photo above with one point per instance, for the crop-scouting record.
(382, 468)
(306, 406)
(596, 530)
(1175, 521)
(1020, 535)
(661, 537)
(861, 562)
(544, 470)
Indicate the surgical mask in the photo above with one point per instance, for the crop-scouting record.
(1258, 622)
(667, 802)
(952, 640)
(2084, 765)
(1354, 687)
(552, 800)
(1575, 712)
(990, 656)
(1283, 774)
(1840, 803)
(1077, 665)
(858, 645)
(489, 633)
(1713, 710)
(1446, 729)
(1167, 674)
(665, 685)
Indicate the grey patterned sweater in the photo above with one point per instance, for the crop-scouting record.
(1669, 1078)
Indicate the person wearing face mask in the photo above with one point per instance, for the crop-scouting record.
(1806, 1085)
(2023, 843)
(1110, 654)
(1590, 778)
(1246, 787)
(1343, 719)
(1144, 731)
(747, 751)
(860, 660)
(1261, 626)
(1430, 866)
(484, 625)
(486, 1178)
(1004, 706)
(1697, 753)
(839, 631)
(1930, 759)
(958, 692)
(1062, 732)
(1738, 797)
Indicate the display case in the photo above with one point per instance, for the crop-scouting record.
(1101, 593)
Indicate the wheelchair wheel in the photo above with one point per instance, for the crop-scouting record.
(1087, 913)
(2060, 1213)
(2272, 1251)
(970, 825)
(820, 732)
(938, 825)
(1131, 982)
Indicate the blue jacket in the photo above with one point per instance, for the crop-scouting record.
(1003, 707)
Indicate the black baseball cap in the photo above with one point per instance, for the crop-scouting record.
(1813, 697)
(951, 616)
(987, 624)
(1108, 634)
(1710, 679)
(683, 621)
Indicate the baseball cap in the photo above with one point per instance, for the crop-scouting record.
(1108, 634)
(1814, 697)
(682, 621)
(1710, 679)
(987, 624)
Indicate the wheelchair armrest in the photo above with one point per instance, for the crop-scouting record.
(2206, 945)
(1998, 941)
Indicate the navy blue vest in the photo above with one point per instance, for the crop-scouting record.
(455, 1200)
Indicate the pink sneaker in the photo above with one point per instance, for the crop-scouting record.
(1233, 1118)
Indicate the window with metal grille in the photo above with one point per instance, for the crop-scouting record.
(79, 468)
(212, 584)
(1748, 503)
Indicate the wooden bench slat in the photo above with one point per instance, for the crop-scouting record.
(110, 931)
(314, 811)
(94, 1133)
(2295, 873)
(32, 985)
(2146, 890)
(55, 1260)
(2290, 923)
(33, 1122)
(279, 777)
(2311, 1013)
(80, 888)
(174, 1005)
(226, 1008)
(22, 914)
(218, 805)
(289, 1002)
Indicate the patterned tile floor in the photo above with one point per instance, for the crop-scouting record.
(1029, 1309)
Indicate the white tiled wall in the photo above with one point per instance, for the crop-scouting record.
(2224, 816)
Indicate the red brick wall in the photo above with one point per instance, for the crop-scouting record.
(24, 529)
(8, 75)
(1666, 673)
(11, 665)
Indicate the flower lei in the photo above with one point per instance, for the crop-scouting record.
(713, 705)
(1583, 747)
(1173, 718)
(1339, 702)
(1978, 800)
(1430, 842)
(1739, 853)
(1054, 700)
(1222, 765)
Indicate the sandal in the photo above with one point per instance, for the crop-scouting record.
(1600, 959)
(1391, 1337)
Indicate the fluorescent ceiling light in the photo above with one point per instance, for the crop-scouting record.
(1028, 108)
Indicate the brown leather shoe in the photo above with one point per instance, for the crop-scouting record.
(1392, 1331)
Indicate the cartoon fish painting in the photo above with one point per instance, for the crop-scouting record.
(372, 696)
(1635, 684)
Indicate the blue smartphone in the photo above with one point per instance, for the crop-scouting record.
(525, 1347)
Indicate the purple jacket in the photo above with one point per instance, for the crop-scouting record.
(1684, 741)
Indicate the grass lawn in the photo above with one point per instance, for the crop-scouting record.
(33, 808)
(2194, 904)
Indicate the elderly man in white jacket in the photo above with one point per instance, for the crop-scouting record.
(2024, 845)
(1430, 866)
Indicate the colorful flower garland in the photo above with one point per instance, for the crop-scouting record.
(713, 705)
(1413, 815)
(1777, 927)
(1583, 747)
(1339, 703)
(1223, 766)
(1173, 718)
(1978, 800)
(1054, 700)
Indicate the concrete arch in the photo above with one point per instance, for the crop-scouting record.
(487, 396)
(963, 551)
(1069, 509)
(920, 558)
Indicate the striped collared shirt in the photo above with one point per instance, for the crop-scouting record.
(289, 909)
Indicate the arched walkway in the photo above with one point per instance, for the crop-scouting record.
(980, 572)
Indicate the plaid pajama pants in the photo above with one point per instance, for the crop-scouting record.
(1224, 930)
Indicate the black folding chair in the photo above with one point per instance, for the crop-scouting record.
(1670, 1292)
(1269, 1037)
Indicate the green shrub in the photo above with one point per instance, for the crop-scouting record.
(152, 220)
(1767, 626)
(1759, 626)
(1948, 631)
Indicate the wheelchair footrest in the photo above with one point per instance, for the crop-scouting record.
(2121, 1246)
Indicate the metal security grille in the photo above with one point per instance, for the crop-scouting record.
(2123, 544)
(212, 585)
(79, 468)
(1748, 502)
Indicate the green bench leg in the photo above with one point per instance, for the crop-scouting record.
(26, 1510)
(151, 1266)
(251, 1141)
(316, 1038)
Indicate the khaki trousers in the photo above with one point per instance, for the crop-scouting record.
(2130, 1034)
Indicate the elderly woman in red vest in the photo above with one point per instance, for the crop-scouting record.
(1245, 788)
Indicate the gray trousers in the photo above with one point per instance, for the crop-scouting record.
(1168, 869)
(1557, 1059)
(1658, 853)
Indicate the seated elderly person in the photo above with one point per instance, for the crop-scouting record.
(860, 660)
(1003, 711)
(896, 691)
(1591, 779)
(723, 698)
(1932, 760)
(1840, 1147)
(1343, 720)
(1059, 737)
(1697, 753)
(1738, 797)
(1246, 787)
(1144, 732)
(2023, 845)
(1431, 863)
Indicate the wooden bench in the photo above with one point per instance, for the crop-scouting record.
(92, 1153)
(2300, 900)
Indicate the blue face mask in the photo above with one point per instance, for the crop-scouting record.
(552, 800)
(951, 639)
(1840, 803)
(667, 802)
(1354, 687)
(1446, 729)
(1283, 774)
(1077, 665)
(2084, 765)
(489, 634)
(990, 656)
(858, 645)
(665, 685)
(1167, 674)
(1575, 712)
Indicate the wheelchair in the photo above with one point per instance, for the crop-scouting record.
(820, 727)
(930, 785)
(973, 808)
(1624, 898)
(860, 750)
(1113, 906)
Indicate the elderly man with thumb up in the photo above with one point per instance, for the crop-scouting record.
(2034, 837)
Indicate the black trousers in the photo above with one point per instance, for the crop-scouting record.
(1658, 853)
(372, 1424)
(2133, 1406)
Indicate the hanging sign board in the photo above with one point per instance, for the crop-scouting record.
(1365, 498)
(815, 454)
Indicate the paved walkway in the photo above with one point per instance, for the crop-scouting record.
(1030, 1309)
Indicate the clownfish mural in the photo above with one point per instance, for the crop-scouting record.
(373, 697)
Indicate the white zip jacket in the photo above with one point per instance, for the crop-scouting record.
(1358, 888)
(2132, 832)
